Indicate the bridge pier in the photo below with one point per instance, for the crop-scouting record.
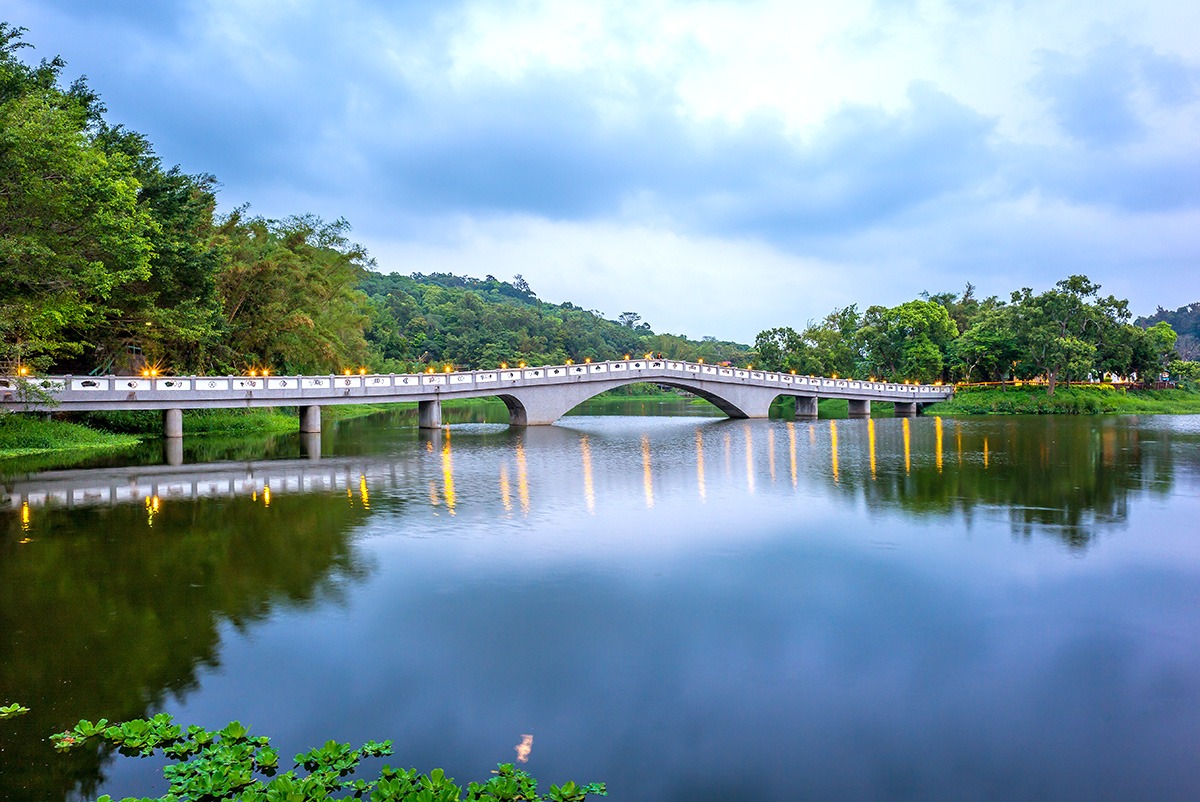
(172, 423)
(860, 409)
(173, 451)
(906, 409)
(429, 414)
(806, 406)
(310, 419)
(310, 444)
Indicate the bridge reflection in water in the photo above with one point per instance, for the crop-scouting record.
(359, 477)
(484, 470)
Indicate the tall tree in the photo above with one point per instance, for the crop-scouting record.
(71, 231)
(1060, 330)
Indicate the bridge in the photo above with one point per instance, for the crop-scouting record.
(534, 396)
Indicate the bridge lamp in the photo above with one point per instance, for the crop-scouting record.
(520, 364)
(146, 374)
(449, 368)
(570, 361)
(362, 371)
(700, 360)
(346, 372)
(266, 371)
(750, 367)
(503, 366)
(834, 376)
(587, 360)
(793, 373)
(22, 371)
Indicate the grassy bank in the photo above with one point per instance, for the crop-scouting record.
(26, 435)
(1097, 399)
(274, 420)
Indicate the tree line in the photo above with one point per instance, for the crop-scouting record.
(1068, 332)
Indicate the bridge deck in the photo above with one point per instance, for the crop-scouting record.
(93, 393)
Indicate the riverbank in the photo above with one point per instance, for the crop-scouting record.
(1100, 399)
(28, 435)
(31, 435)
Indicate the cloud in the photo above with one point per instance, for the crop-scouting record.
(822, 154)
(1095, 97)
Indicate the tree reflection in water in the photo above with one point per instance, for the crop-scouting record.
(107, 619)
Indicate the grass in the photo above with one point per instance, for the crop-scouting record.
(23, 436)
(27, 435)
(1100, 399)
(275, 420)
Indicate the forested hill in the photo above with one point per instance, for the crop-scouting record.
(1185, 321)
(473, 323)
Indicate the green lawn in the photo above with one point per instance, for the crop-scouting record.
(1098, 399)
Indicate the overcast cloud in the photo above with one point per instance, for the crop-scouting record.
(719, 168)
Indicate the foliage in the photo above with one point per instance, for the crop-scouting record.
(112, 262)
(22, 435)
(1073, 400)
(906, 341)
(1067, 332)
(12, 711)
(71, 231)
(440, 319)
(1185, 320)
(222, 765)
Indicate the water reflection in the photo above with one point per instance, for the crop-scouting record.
(647, 477)
(110, 611)
(871, 444)
(505, 492)
(1054, 473)
(748, 435)
(833, 449)
(447, 474)
(522, 476)
(791, 427)
(119, 589)
(589, 490)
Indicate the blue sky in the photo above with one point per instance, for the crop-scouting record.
(718, 167)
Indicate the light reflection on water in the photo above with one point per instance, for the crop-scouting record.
(876, 622)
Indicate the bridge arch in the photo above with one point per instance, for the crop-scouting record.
(543, 405)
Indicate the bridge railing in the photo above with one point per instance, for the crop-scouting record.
(83, 386)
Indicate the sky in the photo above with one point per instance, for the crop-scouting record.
(717, 167)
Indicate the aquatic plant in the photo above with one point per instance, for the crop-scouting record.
(231, 764)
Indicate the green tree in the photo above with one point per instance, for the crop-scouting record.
(1060, 330)
(71, 231)
(989, 348)
(907, 341)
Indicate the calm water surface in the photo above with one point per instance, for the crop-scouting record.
(687, 608)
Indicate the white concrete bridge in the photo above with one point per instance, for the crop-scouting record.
(534, 396)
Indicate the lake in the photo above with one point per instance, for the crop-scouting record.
(685, 607)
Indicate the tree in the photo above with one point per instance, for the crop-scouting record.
(989, 346)
(289, 293)
(1060, 330)
(907, 341)
(780, 348)
(71, 231)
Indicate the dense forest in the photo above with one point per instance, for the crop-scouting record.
(111, 262)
